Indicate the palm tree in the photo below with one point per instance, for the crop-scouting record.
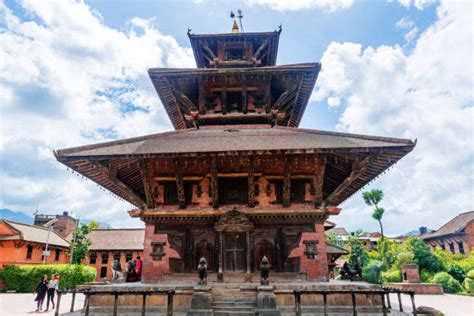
(373, 198)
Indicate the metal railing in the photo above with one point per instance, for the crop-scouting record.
(384, 293)
(115, 294)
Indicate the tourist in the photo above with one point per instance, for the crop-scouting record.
(53, 286)
(138, 268)
(40, 292)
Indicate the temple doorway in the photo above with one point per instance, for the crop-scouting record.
(234, 252)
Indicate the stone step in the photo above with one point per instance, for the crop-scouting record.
(234, 313)
(233, 308)
(234, 304)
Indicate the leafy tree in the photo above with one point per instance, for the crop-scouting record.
(334, 239)
(358, 251)
(80, 243)
(373, 198)
(424, 257)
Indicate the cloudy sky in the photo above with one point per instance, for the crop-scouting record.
(74, 73)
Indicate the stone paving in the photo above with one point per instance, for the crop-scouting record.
(451, 305)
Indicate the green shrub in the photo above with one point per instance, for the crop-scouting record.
(426, 276)
(424, 257)
(371, 272)
(26, 278)
(456, 271)
(391, 276)
(467, 264)
(449, 284)
(469, 282)
(405, 257)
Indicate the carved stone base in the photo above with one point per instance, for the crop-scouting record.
(201, 302)
(266, 302)
(220, 277)
(248, 277)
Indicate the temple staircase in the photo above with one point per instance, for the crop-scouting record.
(233, 301)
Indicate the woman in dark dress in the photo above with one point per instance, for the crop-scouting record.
(40, 291)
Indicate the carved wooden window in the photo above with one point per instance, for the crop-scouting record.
(235, 53)
(298, 191)
(234, 101)
(278, 184)
(29, 252)
(105, 257)
(93, 257)
(57, 253)
(171, 192)
(158, 250)
(311, 248)
(233, 191)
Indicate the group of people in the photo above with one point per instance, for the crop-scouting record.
(47, 289)
(133, 272)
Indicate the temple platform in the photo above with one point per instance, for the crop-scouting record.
(233, 297)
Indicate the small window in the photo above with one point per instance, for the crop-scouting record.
(451, 247)
(103, 272)
(461, 247)
(171, 193)
(93, 257)
(128, 256)
(235, 53)
(233, 191)
(298, 191)
(117, 255)
(443, 246)
(278, 191)
(105, 257)
(29, 252)
(57, 253)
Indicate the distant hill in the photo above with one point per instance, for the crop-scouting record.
(415, 232)
(15, 216)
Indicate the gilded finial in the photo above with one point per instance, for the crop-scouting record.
(235, 27)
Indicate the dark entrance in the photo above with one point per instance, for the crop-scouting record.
(234, 252)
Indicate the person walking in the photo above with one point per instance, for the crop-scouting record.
(53, 286)
(40, 292)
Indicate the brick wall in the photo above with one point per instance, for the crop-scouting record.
(98, 265)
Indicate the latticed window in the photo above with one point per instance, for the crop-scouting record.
(29, 252)
(93, 257)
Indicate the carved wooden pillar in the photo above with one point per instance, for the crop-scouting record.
(320, 170)
(251, 182)
(248, 276)
(179, 183)
(224, 95)
(268, 98)
(202, 105)
(244, 94)
(147, 183)
(287, 181)
(214, 183)
(220, 274)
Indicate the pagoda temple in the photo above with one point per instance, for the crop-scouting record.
(237, 179)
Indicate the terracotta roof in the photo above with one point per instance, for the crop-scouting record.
(117, 239)
(187, 81)
(454, 226)
(339, 231)
(36, 234)
(335, 249)
(234, 139)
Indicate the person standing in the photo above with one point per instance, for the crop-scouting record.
(53, 286)
(138, 268)
(40, 291)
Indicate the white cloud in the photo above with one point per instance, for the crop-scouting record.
(419, 4)
(425, 94)
(295, 5)
(67, 79)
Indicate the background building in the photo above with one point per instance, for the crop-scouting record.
(62, 224)
(22, 244)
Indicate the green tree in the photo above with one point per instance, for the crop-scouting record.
(373, 198)
(334, 239)
(358, 251)
(423, 256)
(80, 243)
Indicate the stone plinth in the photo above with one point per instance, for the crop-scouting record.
(419, 288)
(410, 273)
(266, 301)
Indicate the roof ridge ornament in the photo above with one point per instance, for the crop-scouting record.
(235, 27)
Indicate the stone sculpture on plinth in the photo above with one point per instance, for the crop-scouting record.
(202, 271)
(264, 271)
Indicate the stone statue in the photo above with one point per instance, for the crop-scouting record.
(117, 273)
(346, 273)
(357, 273)
(264, 271)
(202, 271)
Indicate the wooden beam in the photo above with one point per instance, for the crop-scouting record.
(202, 103)
(251, 182)
(358, 168)
(144, 170)
(260, 49)
(179, 183)
(129, 193)
(224, 96)
(287, 181)
(320, 170)
(268, 97)
(214, 183)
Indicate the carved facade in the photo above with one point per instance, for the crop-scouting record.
(237, 180)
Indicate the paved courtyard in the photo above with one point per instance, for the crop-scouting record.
(451, 305)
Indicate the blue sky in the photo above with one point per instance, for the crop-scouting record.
(74, 73)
